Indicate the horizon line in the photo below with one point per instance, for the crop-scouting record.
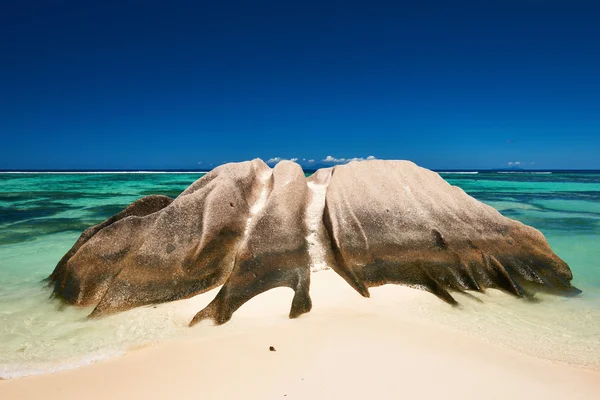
(192, 171)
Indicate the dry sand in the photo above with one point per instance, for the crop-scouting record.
(348, 347)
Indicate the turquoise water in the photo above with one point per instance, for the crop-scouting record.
(41, 216)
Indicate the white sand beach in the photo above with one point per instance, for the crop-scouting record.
(347, 347)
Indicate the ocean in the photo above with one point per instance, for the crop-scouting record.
(43, 214)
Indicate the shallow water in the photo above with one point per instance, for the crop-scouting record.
(41, 216)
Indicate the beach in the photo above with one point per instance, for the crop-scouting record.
(300, 200)
(348, 347)
(399, 342)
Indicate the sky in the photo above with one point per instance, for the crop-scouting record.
(144, 84)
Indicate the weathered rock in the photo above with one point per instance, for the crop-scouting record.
(394, 222)
(319, 244)
(251, 229)
(274, 253)
(176, 252)
(139, 208)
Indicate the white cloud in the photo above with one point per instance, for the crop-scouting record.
(328, 159)
(273, 160)
(334, 160)
(199, 162)
(520, 163)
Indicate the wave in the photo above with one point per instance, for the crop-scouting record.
(524, 172)
(459, 172)
(12, 371)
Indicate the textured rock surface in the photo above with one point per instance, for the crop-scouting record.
(274, 253)
(394, 222)
(183, 249)
(319, 244)
(139, 208)
(251, 229)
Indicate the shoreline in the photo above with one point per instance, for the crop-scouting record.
(347, 347)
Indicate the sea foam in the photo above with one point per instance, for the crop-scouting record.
(20, 370)
(459, 172)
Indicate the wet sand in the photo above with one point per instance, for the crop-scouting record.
(348, 347)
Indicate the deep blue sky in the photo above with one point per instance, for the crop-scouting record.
(168, 84)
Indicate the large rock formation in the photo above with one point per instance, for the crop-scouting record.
(394, 222)
(274, 253)
(176, 252)
(250, 229)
